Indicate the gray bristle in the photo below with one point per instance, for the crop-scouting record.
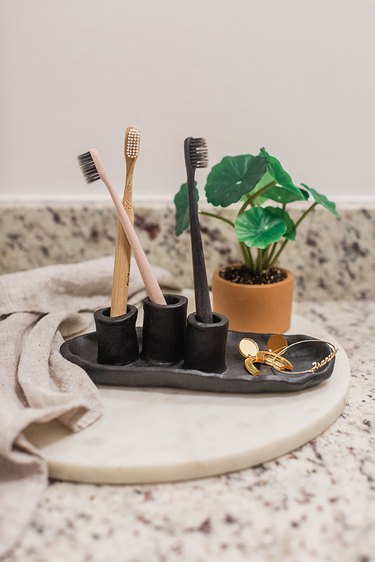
(198, 153)
(88, 167)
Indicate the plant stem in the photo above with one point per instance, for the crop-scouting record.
(305, 213)
(250, 198)
(207, 214)
(264, 257)
(302, 217)
(248, 258)
(270, 256)
(243, 208)
(259, 264)
(246, 252)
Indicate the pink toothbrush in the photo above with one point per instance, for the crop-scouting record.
(93, 169)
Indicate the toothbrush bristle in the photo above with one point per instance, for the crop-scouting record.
(132, 142)
(88, 167)
(198, 153)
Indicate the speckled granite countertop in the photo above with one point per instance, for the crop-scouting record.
(316, 503)
(331, 258)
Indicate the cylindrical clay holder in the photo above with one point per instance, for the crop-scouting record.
(205, 344)
(164, 329)
(117, 337)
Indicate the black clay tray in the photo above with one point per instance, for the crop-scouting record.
(82, 350)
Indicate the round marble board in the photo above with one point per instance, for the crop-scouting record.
(159, 435)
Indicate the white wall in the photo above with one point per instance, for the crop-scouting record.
(295, 75)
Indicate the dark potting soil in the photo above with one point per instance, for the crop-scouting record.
(242, 275)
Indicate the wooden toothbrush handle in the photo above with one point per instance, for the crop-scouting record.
(152, 286)
(121, 270)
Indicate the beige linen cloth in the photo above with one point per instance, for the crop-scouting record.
(38, 308)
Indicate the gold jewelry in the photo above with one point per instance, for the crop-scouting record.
(248, 347)
(316, 365)
(250, 350)
(269, 358)
(250, 367)
(276, 343)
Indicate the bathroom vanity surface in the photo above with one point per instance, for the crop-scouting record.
(315, 503)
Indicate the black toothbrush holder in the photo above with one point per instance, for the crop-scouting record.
(205, 344)
(204, 357)
(117, 337)
(164, 329)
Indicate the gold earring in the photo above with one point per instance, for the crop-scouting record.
(276, 343)
(248, 347)
(250, 350)
(250, 367)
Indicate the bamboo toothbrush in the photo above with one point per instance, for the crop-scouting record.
(121, 270)
(196, 156)
(93, 169)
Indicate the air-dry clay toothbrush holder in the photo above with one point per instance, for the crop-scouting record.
(164, 328)
(189, 356)
(116, 337)
(206, 344)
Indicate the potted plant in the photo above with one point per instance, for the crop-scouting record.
(255, 295)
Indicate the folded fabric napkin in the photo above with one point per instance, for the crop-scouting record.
(38, 308)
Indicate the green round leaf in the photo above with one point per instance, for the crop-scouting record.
(181, 202)
(290, 233)
(322, 200)
(266, 179)
(286, 191)
(285, 195)
(259, 227)
(234, 176)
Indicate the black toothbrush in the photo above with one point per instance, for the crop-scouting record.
(196, 156)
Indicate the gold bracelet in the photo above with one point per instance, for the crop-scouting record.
(316, 365)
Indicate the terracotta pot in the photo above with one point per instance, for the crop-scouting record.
(262, 309)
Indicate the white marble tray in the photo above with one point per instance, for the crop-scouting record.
(158, 435)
